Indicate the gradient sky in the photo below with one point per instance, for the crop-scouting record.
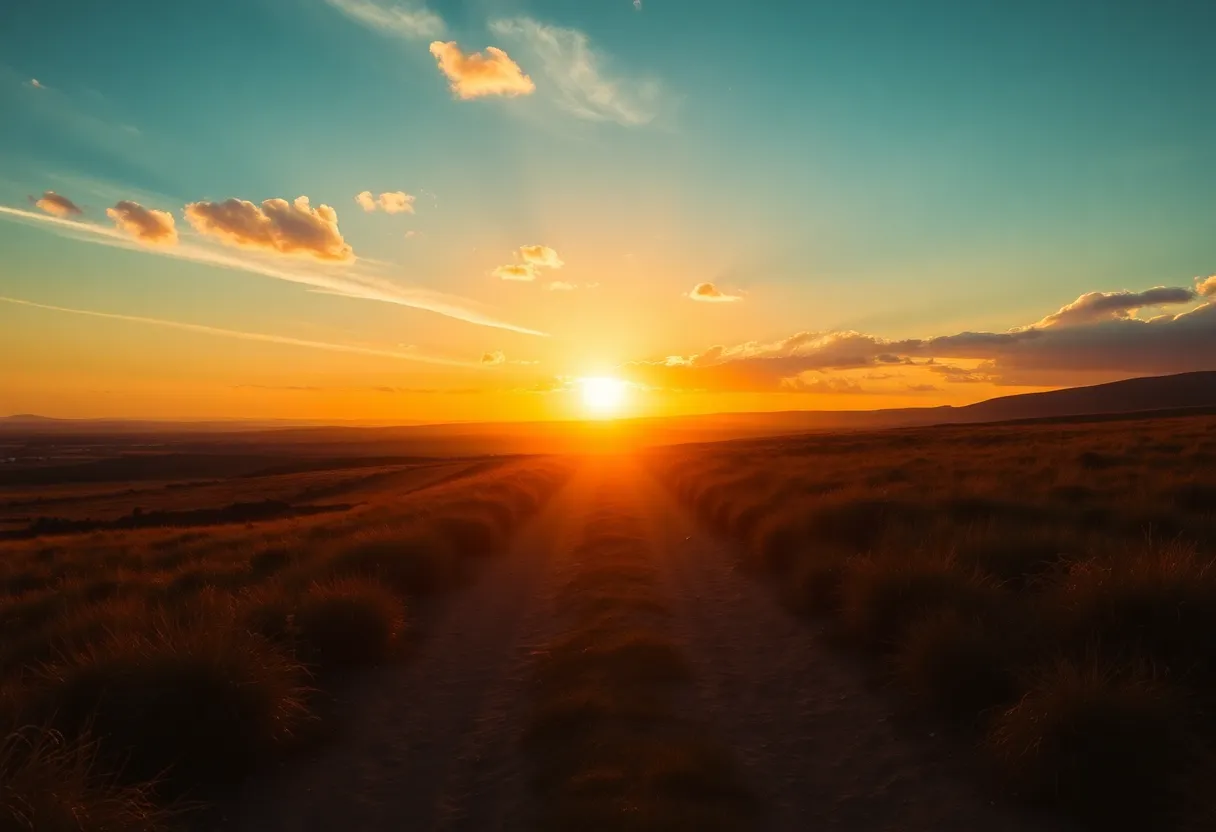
(891, 202)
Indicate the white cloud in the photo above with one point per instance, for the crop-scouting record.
(576, 72)
(413, 21)
(36, 84)
(390, 202)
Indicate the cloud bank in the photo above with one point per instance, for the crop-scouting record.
(147, 225)
(577, 73)
(1089, 335)
(477, 75)
(278, 226)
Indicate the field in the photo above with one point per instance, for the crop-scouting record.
(1002, 626)
(1048, 588)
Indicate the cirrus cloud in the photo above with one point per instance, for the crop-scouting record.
(477, 75)
(390, 202)
(577, 73)
(279, 226)
(57, 205)
(710, 293)
(147, 225)
(410, 20)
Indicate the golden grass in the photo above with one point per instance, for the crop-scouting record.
(1040, 584)
(176, 661)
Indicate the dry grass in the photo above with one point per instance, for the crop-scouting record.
(1048, 586)
(165, 663)
(613, 745)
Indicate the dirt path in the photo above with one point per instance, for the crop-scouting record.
(822, 750)
(433, 744)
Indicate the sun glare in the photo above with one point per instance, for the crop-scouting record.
(603, 396)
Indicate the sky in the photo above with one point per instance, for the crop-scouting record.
(459, 210)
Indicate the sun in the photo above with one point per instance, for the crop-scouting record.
(603, 395)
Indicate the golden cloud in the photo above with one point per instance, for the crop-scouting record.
(477, 75)
(561, 286)
(540, 256)
(276, 225)
(144, 224)
(58, 205)
(1206, 287)
(494, 358)
(391, 202)
(712, 294)
(515, 271)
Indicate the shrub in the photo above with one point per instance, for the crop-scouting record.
(412, 563)
(50, 784)
(957, 665)
(880, 598)
(348, 623)
(198, 699)
(1109, 745)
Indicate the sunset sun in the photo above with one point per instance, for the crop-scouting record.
(603, 395)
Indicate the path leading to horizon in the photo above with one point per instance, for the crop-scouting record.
(438, 742)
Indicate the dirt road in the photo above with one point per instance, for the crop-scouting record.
(437, 742)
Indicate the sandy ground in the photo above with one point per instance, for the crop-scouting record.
(434, 743)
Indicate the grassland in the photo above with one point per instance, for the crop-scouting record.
(147, 666)
(1047, 589)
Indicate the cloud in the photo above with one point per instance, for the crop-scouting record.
(36, 84)
(245, 336)
(493, 359)
(1107, 306)
(1072, 344)
(1206, 287)
(57, 205)
(358, 282)
(637, 4)
(561, 286)
(540, 256)
(276, 226)
(412, 21)
(476, 75)
(710, 293)
(515, 271)
(144, 224)
(391, 202)
(922, 388)
(809, 383)
(575, 71)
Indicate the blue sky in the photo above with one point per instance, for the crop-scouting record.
(898, 170)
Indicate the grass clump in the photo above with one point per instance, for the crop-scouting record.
(1107, 745)
(191, 703)
(51, 784)
(352, 622)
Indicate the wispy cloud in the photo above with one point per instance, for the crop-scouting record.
(577, 72)
(711, 293)
(561, 286)
(350, 283)
(413, 21)
(245, 336)
(477, 75)
(531, 260)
